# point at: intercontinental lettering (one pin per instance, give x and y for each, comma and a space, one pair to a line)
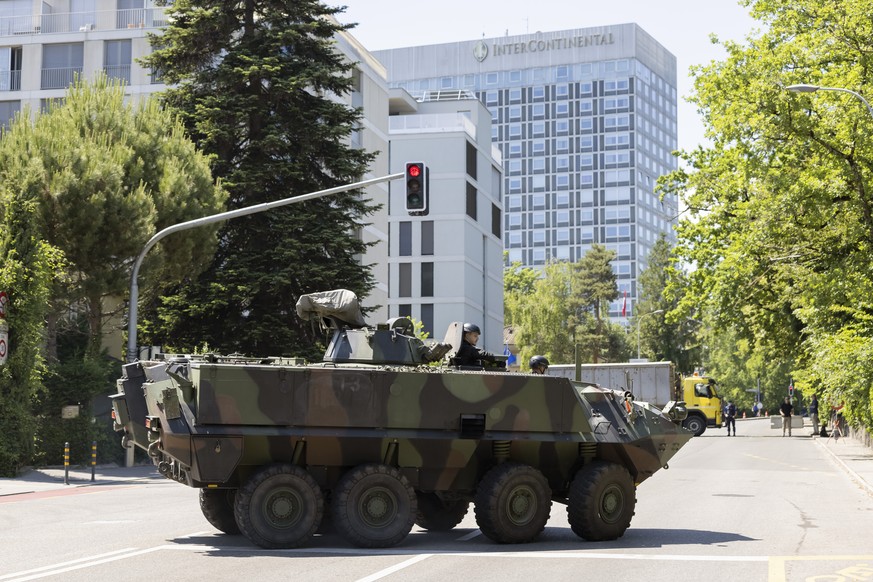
536, 46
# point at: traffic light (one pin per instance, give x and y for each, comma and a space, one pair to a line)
416, 188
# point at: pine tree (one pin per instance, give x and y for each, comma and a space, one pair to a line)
257, 85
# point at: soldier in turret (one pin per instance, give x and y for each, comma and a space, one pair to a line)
539, 365
468, 354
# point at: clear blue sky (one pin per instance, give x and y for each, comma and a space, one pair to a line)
683, 26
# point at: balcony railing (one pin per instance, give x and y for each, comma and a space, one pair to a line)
84, 21
10, 80
120, 72
59, 78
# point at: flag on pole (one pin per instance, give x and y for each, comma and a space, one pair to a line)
624, 306
510, 360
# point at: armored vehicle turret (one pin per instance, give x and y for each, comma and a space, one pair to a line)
385, 433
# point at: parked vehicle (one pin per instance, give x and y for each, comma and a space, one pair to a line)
656, 383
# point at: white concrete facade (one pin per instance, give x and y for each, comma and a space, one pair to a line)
448, 265
586, 123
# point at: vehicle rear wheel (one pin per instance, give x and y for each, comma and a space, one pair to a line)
217, 508
512, 503
602, 501
695, 424
280, 506
435, 514
373, 506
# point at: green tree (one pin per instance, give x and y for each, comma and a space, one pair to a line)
593, 285
540, 316
106, 176
668, 335
27, 267
781, 208
518, 284
256, 84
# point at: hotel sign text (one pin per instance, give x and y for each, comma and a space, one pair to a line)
480, 49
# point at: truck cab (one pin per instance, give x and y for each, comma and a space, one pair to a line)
703, 403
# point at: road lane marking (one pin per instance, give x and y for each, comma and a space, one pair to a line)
473, 534
62, 564
394, 568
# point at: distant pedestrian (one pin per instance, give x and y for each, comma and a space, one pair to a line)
730, 417
785, 411
813, 413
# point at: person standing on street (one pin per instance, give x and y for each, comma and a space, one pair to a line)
730, 417
785, 410
813, 414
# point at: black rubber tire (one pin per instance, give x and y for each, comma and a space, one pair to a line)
695, 424
434, 514
217, 508
373, 506
512, 503
601, 502
280, 506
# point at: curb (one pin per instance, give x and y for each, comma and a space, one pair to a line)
867, 487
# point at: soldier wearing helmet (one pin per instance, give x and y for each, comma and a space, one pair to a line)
539, 364
468, 354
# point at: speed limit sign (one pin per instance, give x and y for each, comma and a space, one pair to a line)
4, 301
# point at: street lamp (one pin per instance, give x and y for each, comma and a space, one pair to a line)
640, 320
803, 88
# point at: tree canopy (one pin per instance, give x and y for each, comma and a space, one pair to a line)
780, 203
260, 86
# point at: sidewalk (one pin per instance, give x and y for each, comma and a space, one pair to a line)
50, 478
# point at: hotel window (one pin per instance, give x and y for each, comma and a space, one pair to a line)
586, 234
405, 280
491, 78
586, 215
427, 279
538, 93
405, 239
427, 237
538, 165
471, 201
447, 83
515, 113
563, 218
539, 201
539, 128
515, 76
515, 95
404, 310
427, 318
562, 181
469, 80
562, 199
538, 147
513, 202
515, 221
585, 88
562, 253
10, 67
514, 149
515, 256
539, 256
61, 63
586, 124
586, 106
586, 161
562, 109
586, 179
616, 176
616, 159
586, 142
490, 97
539, 237
117, 59
8, 109
586, 69
515, 184
562, 127
562, 91
538, 219
562, 73
562, 144
616, 121
616, 140
514, 130
562, 235
621, 268
539, 182
538, 110
514, 166
514, 239
562, 163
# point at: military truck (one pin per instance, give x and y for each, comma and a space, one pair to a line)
657, 383
386, 432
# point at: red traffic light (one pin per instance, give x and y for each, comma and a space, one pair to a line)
414, 170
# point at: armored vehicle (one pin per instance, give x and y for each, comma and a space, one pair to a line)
387, 432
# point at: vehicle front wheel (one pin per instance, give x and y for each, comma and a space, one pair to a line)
695, 424
280, 506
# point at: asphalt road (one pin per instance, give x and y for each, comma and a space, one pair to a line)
746, 508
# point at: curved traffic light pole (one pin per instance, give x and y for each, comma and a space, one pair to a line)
134, 289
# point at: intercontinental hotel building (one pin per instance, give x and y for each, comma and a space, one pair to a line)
585, 120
